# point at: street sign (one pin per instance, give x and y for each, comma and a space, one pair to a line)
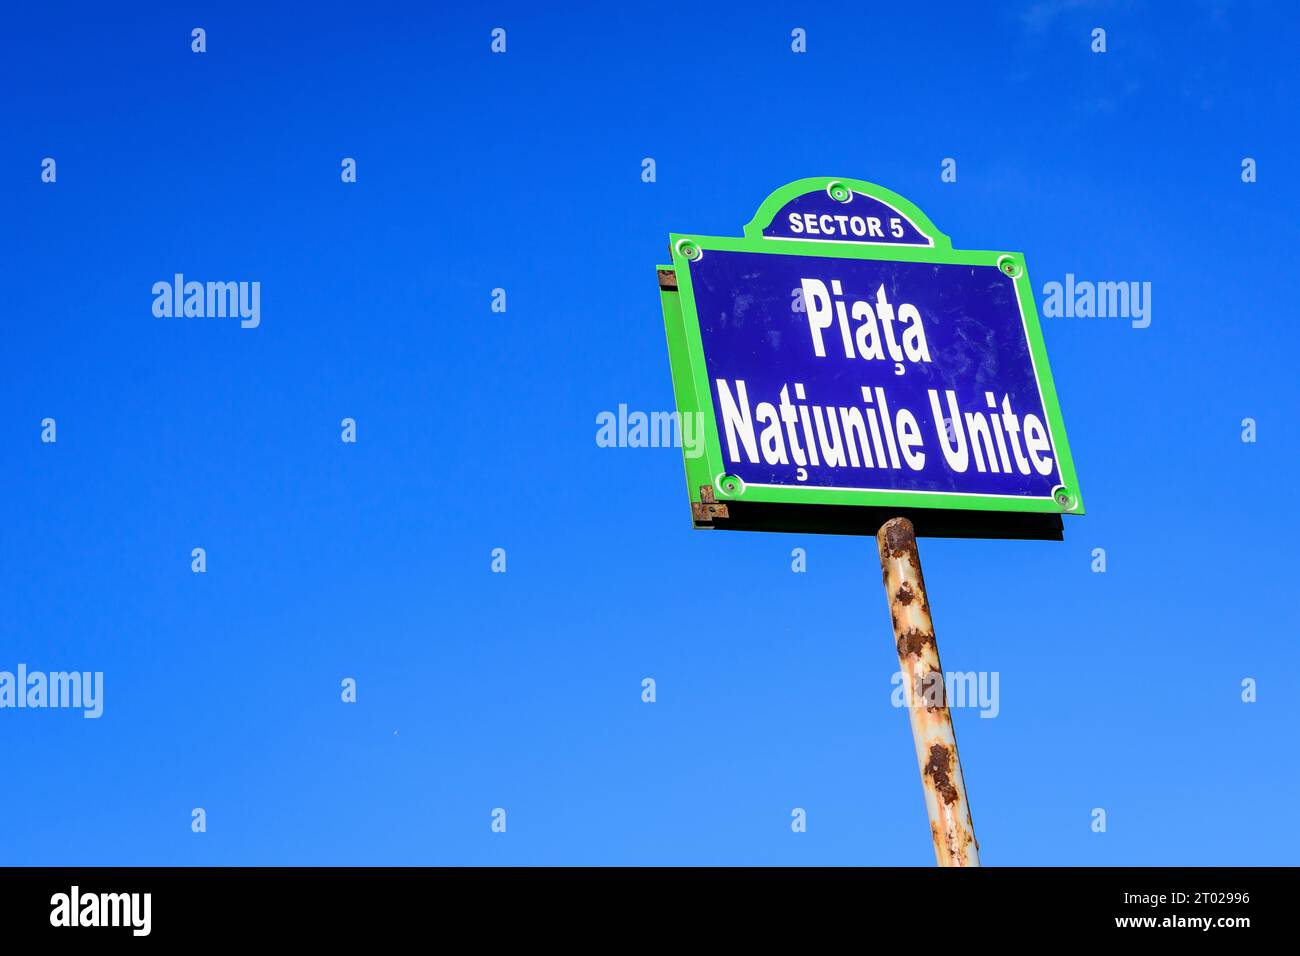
846, 364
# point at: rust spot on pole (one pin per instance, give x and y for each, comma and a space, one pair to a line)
939, 769
932, 733
912, 642
936, 701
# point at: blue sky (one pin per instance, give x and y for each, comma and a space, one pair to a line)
476, 430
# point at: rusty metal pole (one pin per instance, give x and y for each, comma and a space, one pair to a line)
918, 656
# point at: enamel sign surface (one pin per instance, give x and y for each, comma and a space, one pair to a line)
843, 355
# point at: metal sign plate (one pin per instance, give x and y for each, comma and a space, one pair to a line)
842, 355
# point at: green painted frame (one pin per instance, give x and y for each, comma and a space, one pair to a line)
690, 383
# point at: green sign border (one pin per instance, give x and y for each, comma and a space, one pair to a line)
690, 379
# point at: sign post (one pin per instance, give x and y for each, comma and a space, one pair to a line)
853, 373
927, 705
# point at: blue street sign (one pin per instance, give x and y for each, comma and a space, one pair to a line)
878, 369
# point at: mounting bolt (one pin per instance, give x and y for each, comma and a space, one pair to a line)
839, 192
1064, 498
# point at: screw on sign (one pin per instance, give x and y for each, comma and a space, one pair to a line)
856, 374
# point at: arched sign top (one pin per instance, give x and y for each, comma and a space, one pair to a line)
834, 209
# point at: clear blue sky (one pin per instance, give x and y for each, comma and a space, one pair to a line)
476, 430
